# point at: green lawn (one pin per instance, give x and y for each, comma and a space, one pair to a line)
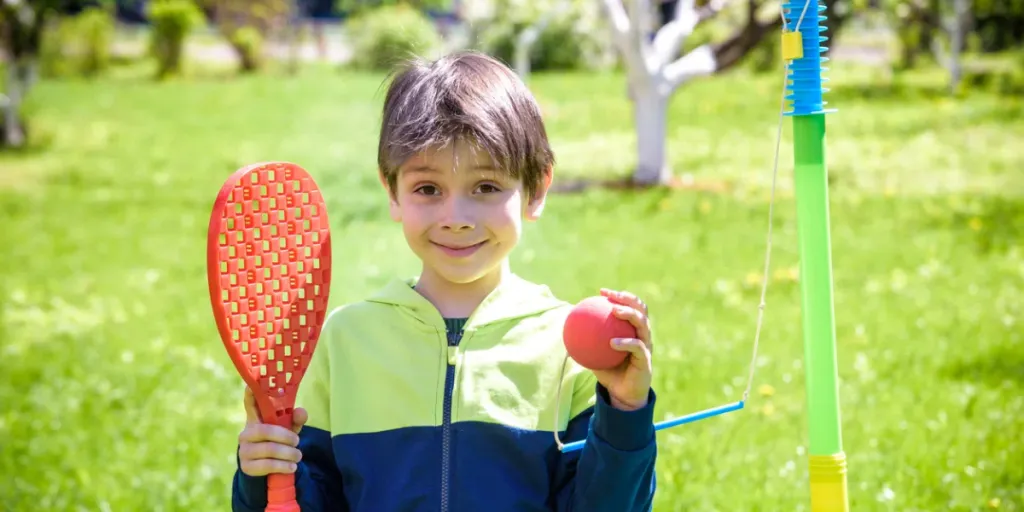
116, 393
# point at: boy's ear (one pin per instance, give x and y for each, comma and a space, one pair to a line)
536, 204
396, 212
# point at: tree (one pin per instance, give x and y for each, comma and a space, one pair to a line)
529, 35
247, 24
935, 28
356, 6
655, 70
21, 35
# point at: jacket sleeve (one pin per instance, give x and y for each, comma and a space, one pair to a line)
614, 471
318, 485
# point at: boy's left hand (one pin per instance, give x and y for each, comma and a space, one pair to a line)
629, 384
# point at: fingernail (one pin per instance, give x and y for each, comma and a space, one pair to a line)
618, 341
293, 467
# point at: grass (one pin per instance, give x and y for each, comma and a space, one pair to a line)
117, 395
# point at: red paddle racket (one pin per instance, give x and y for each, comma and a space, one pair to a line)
269, 270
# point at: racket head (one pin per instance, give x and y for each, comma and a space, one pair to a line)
269, 272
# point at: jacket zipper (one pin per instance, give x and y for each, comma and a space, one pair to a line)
446, 424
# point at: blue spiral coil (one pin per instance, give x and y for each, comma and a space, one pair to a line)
804, 89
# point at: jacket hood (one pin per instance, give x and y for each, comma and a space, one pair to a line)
514, 298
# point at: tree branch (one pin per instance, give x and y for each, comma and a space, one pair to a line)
711, 9
730, 52
670, 38
619, 22
617, 15
696, 63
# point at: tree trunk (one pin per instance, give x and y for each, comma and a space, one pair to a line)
650, 112
14, 132
655, 70
957, 40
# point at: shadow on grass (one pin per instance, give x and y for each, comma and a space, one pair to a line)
993, 224
895, 91
628, 184
1004, 364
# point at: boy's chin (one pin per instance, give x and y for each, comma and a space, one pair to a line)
465, 276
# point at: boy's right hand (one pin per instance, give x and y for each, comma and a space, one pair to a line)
265, 448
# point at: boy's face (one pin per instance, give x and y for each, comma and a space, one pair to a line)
460, 215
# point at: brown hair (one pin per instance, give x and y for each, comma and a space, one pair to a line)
467, 96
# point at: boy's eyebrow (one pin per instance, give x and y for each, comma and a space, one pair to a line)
419, 168
428, 169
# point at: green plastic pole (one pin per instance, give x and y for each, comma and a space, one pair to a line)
827, 460
811, 188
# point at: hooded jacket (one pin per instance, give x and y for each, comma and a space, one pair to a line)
410, 412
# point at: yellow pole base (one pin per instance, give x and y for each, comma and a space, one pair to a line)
828, 483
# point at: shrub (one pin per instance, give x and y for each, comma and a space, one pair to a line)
96, 26
575, 39
78, 45
383, 36
248, 44
171, 22
247, 24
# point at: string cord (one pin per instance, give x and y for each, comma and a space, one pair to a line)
768, 248
771, 206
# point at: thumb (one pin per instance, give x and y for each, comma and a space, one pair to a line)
252, 411
299, 418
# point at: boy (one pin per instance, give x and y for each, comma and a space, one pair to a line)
439, 393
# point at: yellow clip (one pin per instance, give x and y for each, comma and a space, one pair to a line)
792, 46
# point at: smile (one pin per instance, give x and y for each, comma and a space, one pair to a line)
457, 251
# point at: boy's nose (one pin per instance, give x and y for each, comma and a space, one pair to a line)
457, 224
457, 216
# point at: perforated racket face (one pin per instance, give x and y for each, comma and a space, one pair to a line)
269, 269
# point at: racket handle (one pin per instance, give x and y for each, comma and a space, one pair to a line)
281, 493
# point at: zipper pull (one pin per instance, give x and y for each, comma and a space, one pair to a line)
453, 354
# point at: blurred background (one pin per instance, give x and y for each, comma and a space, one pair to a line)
121, 120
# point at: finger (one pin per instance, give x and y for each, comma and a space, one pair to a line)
639, 321
252, 411
626, 299
264, 467
266, 432
299, 418
639, 354
259, 451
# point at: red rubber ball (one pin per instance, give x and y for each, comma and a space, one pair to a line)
589, 330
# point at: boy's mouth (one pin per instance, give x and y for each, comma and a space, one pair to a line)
459, 251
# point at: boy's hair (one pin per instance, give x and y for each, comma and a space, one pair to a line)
464, 96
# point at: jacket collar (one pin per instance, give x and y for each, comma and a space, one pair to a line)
514, 298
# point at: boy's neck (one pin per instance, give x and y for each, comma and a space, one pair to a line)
458, 300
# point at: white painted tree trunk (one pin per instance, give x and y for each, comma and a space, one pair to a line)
957, 28
650, 113
655, 71
14, 132
958, 38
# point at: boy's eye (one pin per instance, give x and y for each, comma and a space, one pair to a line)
429, 190
488, 188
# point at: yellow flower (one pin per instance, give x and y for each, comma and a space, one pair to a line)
766, 390
994, 503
